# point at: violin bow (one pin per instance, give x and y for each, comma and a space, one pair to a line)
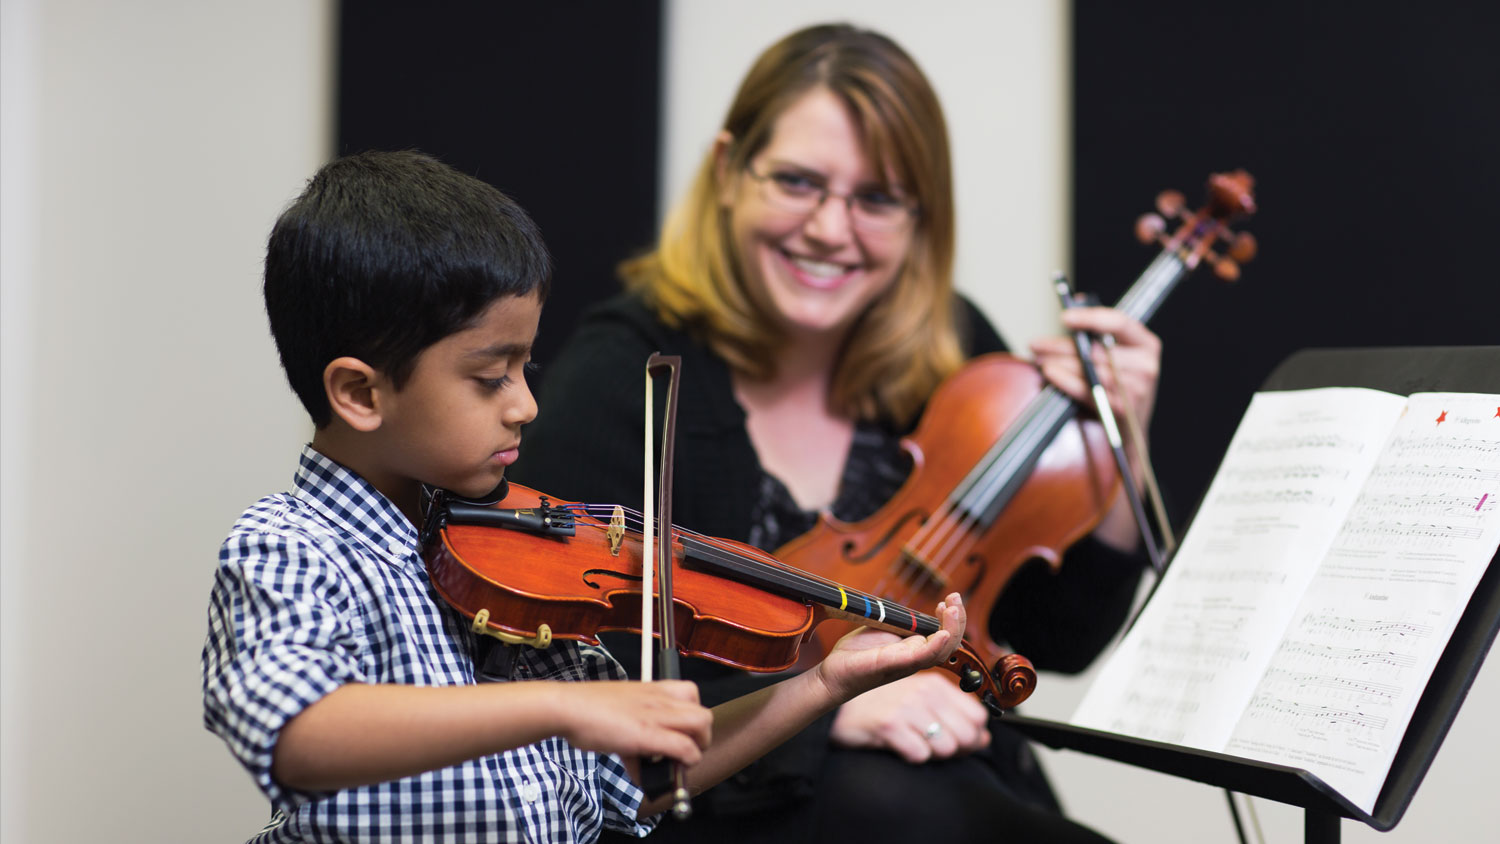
657, 562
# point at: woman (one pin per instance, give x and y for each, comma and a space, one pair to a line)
806, 282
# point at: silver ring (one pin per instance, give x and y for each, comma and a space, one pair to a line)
932, 730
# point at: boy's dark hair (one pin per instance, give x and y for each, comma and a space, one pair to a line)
384, 254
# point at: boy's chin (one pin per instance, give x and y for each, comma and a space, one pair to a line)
493, 495
481, 491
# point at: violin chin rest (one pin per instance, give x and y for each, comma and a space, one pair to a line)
494, 496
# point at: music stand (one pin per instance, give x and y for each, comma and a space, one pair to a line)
1396, 370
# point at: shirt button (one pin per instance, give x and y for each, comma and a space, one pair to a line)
530, 791
397, 547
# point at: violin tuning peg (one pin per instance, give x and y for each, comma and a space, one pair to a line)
1148, 228
1226, 268
1243, 247
1170, 203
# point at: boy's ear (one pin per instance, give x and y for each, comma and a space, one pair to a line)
722, 142
354, 392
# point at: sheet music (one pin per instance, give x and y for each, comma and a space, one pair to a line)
1323, 575
1362, 643
1183, 672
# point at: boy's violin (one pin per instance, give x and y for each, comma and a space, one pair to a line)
531, 568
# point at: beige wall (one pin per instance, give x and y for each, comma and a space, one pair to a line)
145, 149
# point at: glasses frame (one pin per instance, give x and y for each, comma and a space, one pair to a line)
911, 207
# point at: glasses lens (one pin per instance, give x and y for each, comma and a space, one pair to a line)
797, 194
882, 215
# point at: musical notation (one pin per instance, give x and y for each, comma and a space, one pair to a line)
1465, 450
1359, 656
1271, 706
1357, 534
1256, 577
1286, 473
1300, 442
1408, 474
1332, 683
1200, 653
1437, 504
1363, 627
1280, 497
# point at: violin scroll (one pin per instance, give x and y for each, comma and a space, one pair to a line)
1013, 678
1229, 198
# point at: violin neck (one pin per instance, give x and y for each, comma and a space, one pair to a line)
1149, 291
791, 583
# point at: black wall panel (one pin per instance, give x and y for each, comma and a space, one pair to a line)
555, 103
1373, 132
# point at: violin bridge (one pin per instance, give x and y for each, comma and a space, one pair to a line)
922, 569
542, 639
616, 531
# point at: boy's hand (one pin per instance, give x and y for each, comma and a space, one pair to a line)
868, 658
633, 719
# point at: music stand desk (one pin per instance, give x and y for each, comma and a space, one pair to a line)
1396, 370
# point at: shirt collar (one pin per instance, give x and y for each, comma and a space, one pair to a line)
355, 505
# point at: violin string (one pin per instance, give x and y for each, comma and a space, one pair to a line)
1028, 435
945, 541
947, 538
795, 580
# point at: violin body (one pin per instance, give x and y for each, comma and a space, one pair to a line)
732, 603
897, 553
578, 586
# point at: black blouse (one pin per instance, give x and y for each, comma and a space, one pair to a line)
585, 445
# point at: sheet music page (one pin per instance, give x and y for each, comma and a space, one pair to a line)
1342, 686
1183, 673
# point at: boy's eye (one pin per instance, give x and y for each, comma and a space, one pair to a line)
500, 383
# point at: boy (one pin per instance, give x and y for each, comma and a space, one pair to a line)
404, 298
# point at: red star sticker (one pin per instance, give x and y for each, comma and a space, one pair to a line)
1497, 413
1442, 417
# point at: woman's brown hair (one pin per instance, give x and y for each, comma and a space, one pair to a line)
906, 341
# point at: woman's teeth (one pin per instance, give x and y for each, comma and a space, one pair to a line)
821, 269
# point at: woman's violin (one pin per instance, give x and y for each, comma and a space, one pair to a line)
1003, 469
531, 568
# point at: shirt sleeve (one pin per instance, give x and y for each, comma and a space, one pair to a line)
280, 638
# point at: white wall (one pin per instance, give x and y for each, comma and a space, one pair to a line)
145, 149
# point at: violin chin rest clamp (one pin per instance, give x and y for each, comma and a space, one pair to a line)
541, 639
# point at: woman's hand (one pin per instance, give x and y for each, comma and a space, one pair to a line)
920, 717
1137, 355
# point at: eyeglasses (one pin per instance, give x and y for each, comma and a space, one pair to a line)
870, 210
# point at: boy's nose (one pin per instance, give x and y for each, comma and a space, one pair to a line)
523, 409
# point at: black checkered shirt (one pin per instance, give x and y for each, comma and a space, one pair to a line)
325, 585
